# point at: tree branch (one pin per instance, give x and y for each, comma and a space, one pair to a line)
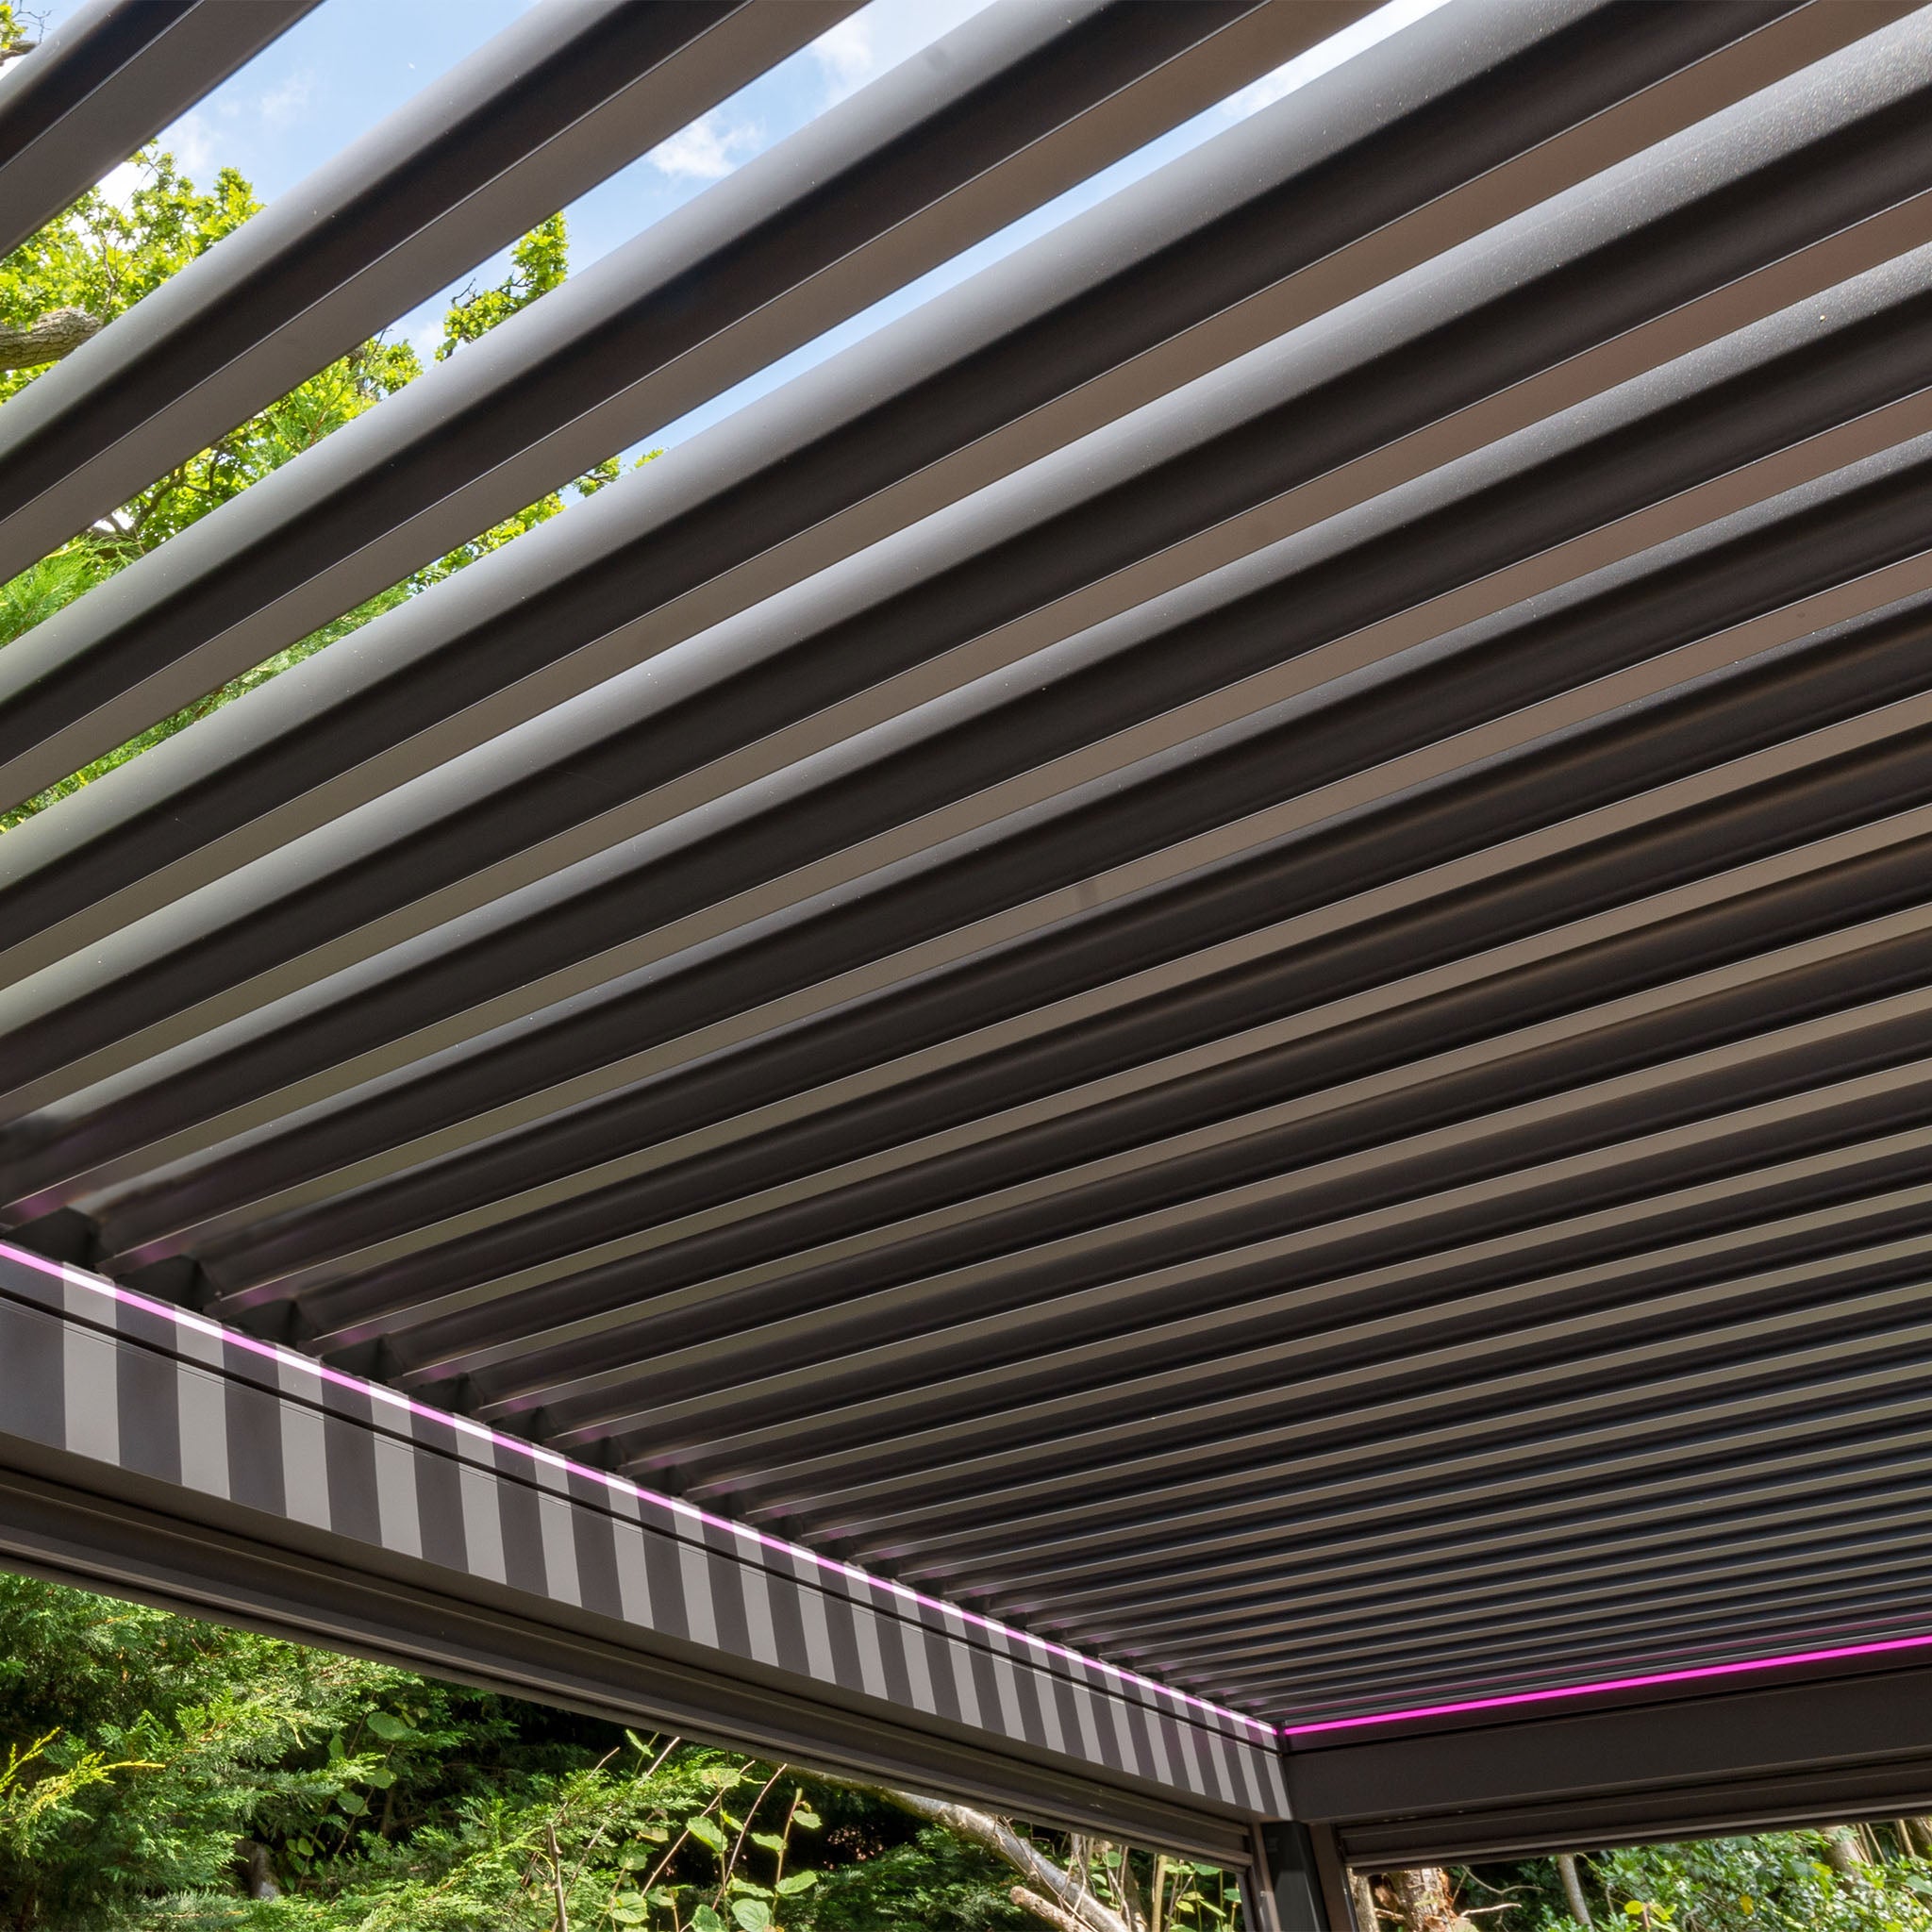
1076, 1907
1046, 1909
58, 333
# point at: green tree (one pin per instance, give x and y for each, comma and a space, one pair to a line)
1850, 1878
1785, 1880
102, 256
141, 1746
159, 1773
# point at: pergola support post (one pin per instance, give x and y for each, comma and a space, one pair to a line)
1296, 1881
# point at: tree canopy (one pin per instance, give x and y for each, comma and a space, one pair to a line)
161, 1772
101, 258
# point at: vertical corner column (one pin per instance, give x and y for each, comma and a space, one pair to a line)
1296, 1881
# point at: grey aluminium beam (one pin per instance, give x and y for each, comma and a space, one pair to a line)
883, 1316
1388, 1771
1016, 105
833, 1438
1341, 1475
1201, 1465
1780, 1595
1389, 1618
555, 1168
546, 110
1862, 1519
242, 1449
1124, 1071
1845, 846
104, 80
527, 1369
72, 1534
1614, 695
1218, 251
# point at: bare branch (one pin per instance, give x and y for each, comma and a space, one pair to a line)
1046, 1909
1077, 1904
55, 334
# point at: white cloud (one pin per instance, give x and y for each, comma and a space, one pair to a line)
880, 35
118, 184
1322, 59
282, 106
190, 140
847, 55
709, 149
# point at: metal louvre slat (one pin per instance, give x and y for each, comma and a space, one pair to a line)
105, 80
849, 209
1221, 949
1031, 354
47, 1037
1240, 959
530, 122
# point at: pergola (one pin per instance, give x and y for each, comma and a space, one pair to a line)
1162, 1052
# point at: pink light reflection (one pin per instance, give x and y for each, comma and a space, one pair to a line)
1649, 1681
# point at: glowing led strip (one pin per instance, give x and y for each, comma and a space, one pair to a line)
1649, 1680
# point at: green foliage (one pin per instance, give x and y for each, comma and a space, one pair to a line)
140, 1745
103, 258
538, 263
930, 1884
1779, 1880
144, 1757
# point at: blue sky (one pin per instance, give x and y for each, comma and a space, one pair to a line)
351, 62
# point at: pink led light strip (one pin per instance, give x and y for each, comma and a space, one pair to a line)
378, 1392
1878, 1648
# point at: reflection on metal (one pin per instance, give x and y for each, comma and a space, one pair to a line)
1220, 954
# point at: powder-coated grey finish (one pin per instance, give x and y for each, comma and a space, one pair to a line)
105, 79
546, 110
1223, 950
1022, 102
262, 1442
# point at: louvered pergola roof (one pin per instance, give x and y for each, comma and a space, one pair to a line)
1217, 958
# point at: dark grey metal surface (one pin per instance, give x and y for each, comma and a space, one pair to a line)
543, 111
336, 1494
105, 79
1025, 101
1753, 1754
1216, 254
1223, 948
75, 1535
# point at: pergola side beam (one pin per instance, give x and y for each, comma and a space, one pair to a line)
147, 1406
1669, 1749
